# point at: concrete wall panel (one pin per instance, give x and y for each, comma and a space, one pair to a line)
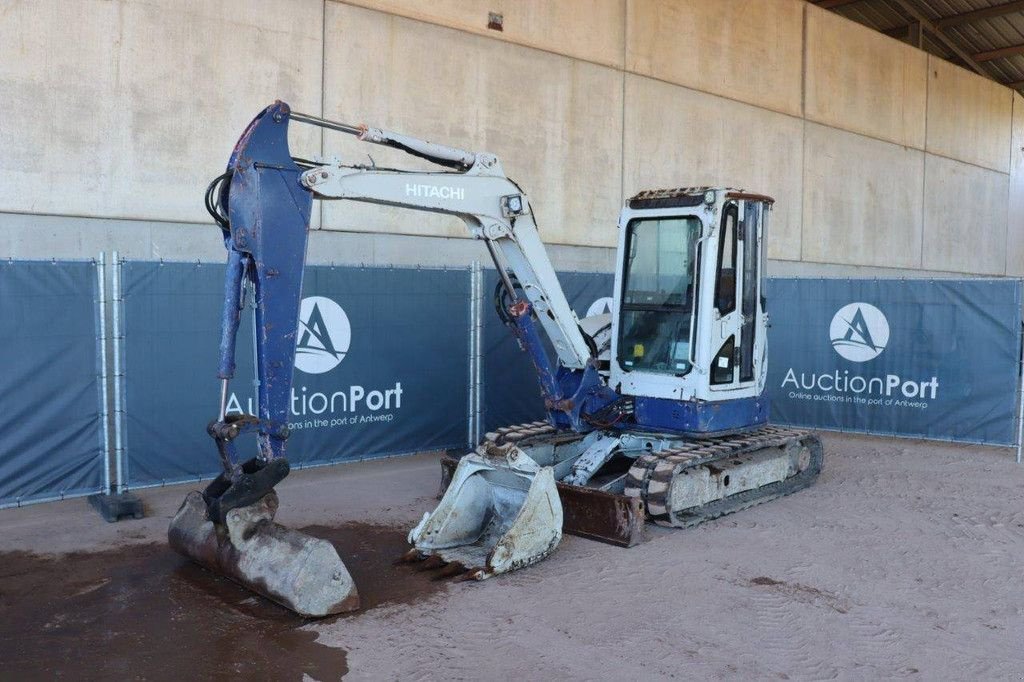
863, 81
862, 200
592, 30
127, 108
555, 122
969, 117
120, 111
677, 137
741, 49
1015, 216
964, 224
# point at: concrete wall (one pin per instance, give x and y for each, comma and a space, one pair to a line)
881, 158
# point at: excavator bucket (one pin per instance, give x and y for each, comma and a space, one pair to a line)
492, 519
298, 571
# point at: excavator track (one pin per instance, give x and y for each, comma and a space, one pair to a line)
518, 432
652, 475
619, 518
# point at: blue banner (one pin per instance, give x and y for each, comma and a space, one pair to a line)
923, 358
50, 397
511, 394
382, 361
381, 366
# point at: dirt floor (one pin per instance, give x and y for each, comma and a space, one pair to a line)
905, 559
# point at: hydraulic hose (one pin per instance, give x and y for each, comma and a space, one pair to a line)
217, 198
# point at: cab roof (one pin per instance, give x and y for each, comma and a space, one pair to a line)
688, 196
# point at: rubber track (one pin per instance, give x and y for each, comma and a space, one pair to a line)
650, 477
518, 432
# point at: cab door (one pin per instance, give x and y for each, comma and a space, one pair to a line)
734, 364
751, 256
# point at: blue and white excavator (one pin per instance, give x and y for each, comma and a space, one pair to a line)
655, 411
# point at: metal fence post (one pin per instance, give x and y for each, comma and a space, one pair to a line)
479, 354
471, 377
475, 328
118, 336
101, 311
1020, 399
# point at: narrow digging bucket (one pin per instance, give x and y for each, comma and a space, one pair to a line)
492, 519
298, 571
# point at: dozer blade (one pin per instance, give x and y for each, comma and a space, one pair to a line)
493, 519
298, 571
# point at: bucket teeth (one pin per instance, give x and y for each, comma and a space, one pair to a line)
433, 561
453, 569
411, 557
474, 574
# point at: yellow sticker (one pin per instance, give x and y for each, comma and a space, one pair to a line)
638, 350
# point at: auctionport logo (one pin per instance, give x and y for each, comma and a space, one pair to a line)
324, 335
859, 332
600, 306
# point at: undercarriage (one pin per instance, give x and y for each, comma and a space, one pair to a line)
608, 484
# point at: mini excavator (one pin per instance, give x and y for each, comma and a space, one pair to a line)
655, 411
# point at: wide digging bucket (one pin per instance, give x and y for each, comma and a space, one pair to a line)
492, 519
298, 571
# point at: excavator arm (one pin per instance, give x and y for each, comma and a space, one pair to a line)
229, 527
263, 204
497, 211
268, 198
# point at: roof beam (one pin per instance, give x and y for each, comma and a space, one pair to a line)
999, 53
910, 34
965, 18
930, 26
832, 4
983, 13
915, 35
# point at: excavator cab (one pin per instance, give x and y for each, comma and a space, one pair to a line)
688, 337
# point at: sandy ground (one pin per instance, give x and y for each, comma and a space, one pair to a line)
903, 560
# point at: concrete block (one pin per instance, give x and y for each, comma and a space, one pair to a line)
591, 30
741, 49
860, 80
969, 116
964, 217
1015, 216
555, 122
678, 137
862, 200
128, 109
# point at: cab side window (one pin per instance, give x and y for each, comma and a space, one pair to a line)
725, 285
